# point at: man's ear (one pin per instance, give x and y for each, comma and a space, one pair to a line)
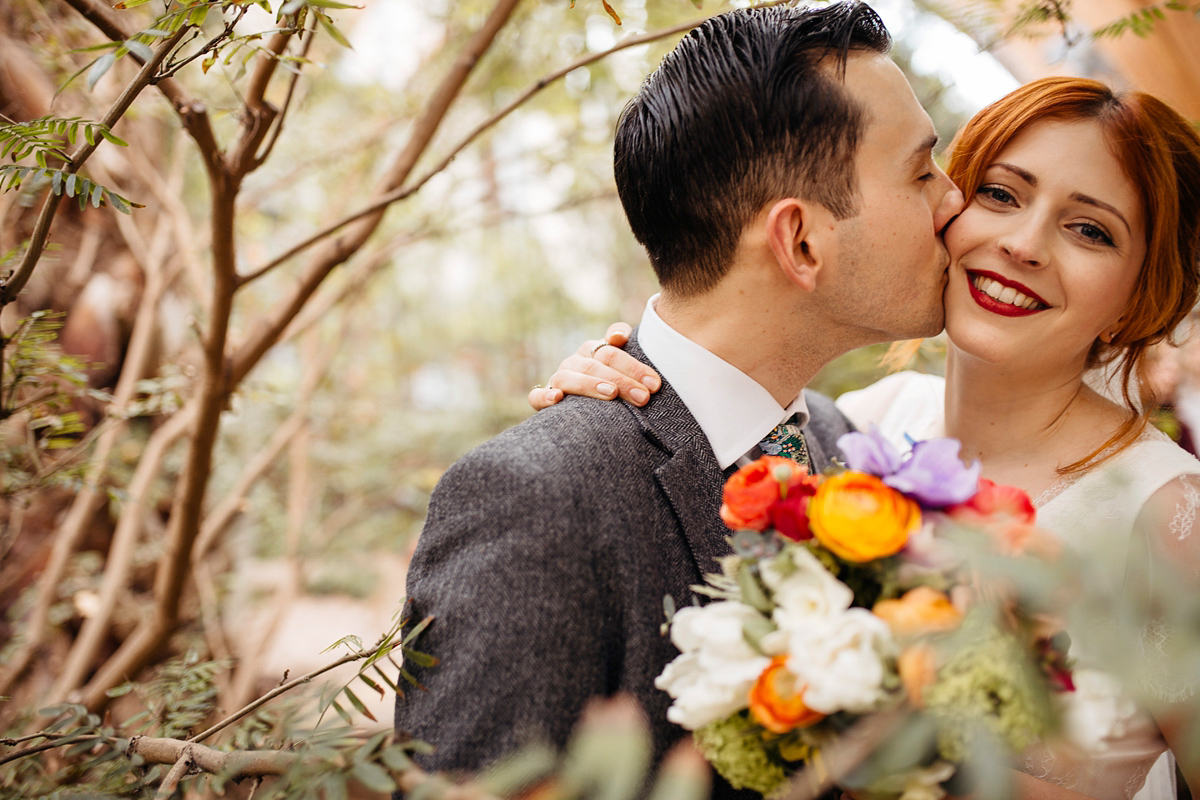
797, 241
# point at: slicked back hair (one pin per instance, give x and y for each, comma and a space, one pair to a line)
743, 112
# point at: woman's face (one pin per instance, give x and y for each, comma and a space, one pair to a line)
1047, 251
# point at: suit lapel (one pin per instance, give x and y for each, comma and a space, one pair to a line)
689, 476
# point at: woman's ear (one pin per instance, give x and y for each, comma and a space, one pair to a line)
795, 240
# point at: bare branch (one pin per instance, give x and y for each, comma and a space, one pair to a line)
177, 773
305, 44
338, 251
403, 192
258, 113
41, 230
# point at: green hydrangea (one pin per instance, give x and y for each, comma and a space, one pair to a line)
987, 681
735, 749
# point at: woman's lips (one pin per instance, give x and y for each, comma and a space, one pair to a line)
1019, 300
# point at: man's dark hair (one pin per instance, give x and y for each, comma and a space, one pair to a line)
741, 113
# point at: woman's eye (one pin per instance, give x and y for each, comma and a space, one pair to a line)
927, 176
1094, 233
996, 193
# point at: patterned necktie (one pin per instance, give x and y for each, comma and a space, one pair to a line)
787, 441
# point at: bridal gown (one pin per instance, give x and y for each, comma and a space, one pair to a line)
910, 404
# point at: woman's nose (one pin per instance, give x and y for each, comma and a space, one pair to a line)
1024, 244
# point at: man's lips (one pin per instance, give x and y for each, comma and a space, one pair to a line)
1022, 302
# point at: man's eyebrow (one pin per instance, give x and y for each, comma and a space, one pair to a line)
923, 150
1078, 197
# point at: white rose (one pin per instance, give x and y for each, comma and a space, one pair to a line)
807, 590
841, 659
1097, 710
712, 676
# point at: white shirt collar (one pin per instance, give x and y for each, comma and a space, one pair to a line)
734, 411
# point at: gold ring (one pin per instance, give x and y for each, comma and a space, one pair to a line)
538, 386
597, 347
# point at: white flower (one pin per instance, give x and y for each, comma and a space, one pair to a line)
1097, 710
841, 660
711, 678
803, 588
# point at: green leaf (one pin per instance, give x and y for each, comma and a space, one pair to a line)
197, 16
97, 196
89, 135
112, 137
71, 180
753, 594
391, 684
332, 30
119, 203
341, 712
395, 759
362, 709
102, 65
417, 630
418, 658
56, 182
373, 776
367, 680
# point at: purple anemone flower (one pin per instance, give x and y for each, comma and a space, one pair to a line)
934, 475
870, 452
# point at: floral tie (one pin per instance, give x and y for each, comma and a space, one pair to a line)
787, 441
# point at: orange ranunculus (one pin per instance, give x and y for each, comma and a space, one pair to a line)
917, 666
777, 703
860, 518
919, 610
752, 490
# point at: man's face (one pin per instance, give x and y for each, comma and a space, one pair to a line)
891, 263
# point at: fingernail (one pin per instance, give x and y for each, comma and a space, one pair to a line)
652, 382
606, 389
555, 395
639, 395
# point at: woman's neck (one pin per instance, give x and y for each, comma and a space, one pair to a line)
1024, 422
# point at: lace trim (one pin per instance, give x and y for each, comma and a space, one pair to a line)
1185, 513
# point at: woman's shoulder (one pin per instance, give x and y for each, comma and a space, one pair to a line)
901, 404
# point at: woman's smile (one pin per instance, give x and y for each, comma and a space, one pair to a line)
1004, 296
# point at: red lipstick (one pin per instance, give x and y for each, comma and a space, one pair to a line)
989, 303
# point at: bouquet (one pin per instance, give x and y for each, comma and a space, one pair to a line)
848, 595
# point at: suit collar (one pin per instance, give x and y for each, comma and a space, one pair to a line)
690, 476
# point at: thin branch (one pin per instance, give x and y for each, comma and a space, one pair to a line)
258, 113
41, 230
177, 773
230, 25
42, 748
337, 251
403, 192
305, 44
284, 688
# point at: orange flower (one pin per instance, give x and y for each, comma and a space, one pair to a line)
917, 666
752, 490
860, 518
777, 703
919, 610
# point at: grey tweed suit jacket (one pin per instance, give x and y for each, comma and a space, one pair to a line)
544, 561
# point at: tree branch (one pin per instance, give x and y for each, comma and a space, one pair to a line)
338, 251
403, 192
41, 229
305, 44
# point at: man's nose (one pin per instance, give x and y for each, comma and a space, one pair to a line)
951, 205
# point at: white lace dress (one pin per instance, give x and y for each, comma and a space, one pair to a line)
910, 404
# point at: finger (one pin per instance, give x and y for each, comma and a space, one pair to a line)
618, 334
541, 397
629, 367
592, 378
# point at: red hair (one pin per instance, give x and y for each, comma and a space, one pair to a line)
1159, 153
